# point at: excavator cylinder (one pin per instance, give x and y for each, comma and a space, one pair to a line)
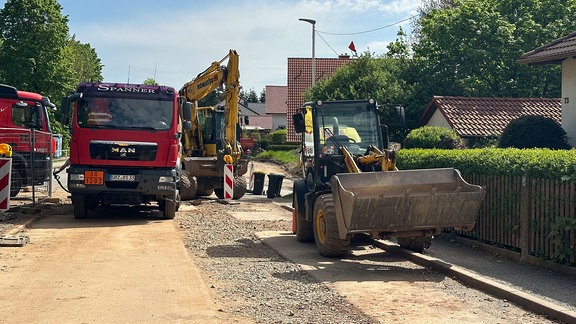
397, 202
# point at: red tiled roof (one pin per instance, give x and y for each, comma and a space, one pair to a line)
554, 52
300, 79
276, 97
472, 117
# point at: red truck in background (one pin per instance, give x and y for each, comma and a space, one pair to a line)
125, 146
25, 125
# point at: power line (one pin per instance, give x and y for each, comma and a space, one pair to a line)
367, 31
328, 44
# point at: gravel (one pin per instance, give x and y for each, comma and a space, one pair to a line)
253, 280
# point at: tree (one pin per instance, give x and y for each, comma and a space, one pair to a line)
34, 37
86, 66
429, 137
470, 48
250, 96
150, 81
263, 96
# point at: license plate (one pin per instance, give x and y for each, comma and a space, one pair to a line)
122, 177
93, 177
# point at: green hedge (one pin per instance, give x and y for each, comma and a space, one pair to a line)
537, 163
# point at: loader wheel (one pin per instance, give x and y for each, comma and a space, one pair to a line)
416, 244
328, 242
204, 192
304, 229
189, 186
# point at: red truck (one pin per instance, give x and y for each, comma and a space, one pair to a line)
25, 125
125, 146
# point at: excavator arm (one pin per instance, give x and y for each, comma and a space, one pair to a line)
214, 77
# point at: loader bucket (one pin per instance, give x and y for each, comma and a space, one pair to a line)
397, 202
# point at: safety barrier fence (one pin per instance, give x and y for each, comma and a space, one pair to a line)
535, 217
31, 171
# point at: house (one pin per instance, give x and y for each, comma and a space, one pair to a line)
300, 79
561, 51
473, 117
257, 117
276, 99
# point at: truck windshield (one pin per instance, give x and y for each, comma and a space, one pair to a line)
354, 125
125, 113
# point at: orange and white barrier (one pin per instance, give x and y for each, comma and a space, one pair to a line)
228, 181
5, 175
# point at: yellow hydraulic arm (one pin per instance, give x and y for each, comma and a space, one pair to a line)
209, 80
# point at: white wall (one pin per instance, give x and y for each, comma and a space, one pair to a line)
438, 119
569, 99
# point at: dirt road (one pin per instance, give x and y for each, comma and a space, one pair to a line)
128, 269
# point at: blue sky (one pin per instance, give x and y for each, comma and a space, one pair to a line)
174, 40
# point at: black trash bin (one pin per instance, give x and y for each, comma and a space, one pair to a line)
258, 184
274, 185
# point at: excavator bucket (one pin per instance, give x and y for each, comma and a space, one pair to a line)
397, 202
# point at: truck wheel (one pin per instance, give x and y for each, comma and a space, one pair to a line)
79, 204
170, 206
328, 242
189, 186
304, 230
239, 187
15, 182
416, 244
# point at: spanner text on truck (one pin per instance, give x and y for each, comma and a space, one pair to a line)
125, 146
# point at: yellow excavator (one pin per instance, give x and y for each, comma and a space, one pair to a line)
210, 134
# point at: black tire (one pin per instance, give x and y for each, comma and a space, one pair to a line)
304, 228
15, 182
170, 206
188, 186
416, 244
80, 207
326, 236
239, 187
219, 193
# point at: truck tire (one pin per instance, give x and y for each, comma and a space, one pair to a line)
304, 229
188, 186
80, 207
416, 244
239, 187
15, 182
326, 236
219, 193
170, 206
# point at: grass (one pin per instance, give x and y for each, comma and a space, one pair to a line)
284, 157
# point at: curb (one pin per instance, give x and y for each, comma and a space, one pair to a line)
521, 298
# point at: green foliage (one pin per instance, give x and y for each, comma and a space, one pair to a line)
433, 137
279, 156
150, 81
534, 132
86, 66
537, 163
34, 38
277, 137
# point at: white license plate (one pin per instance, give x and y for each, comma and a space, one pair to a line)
122, 177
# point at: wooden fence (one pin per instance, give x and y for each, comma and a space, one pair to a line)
534, 217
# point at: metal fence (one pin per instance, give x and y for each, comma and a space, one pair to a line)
534, 217
32, 156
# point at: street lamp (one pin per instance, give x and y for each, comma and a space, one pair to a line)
313, 22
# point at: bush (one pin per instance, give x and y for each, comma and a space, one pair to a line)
277, 137
430, 137
534, 132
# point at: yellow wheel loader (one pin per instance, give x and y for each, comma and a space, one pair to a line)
350, 184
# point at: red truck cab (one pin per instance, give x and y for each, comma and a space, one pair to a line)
125, 146
25, 125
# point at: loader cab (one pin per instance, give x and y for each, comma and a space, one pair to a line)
329, 126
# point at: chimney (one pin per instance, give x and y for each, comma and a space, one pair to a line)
344, 56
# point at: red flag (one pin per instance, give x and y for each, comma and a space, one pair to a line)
352, 47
